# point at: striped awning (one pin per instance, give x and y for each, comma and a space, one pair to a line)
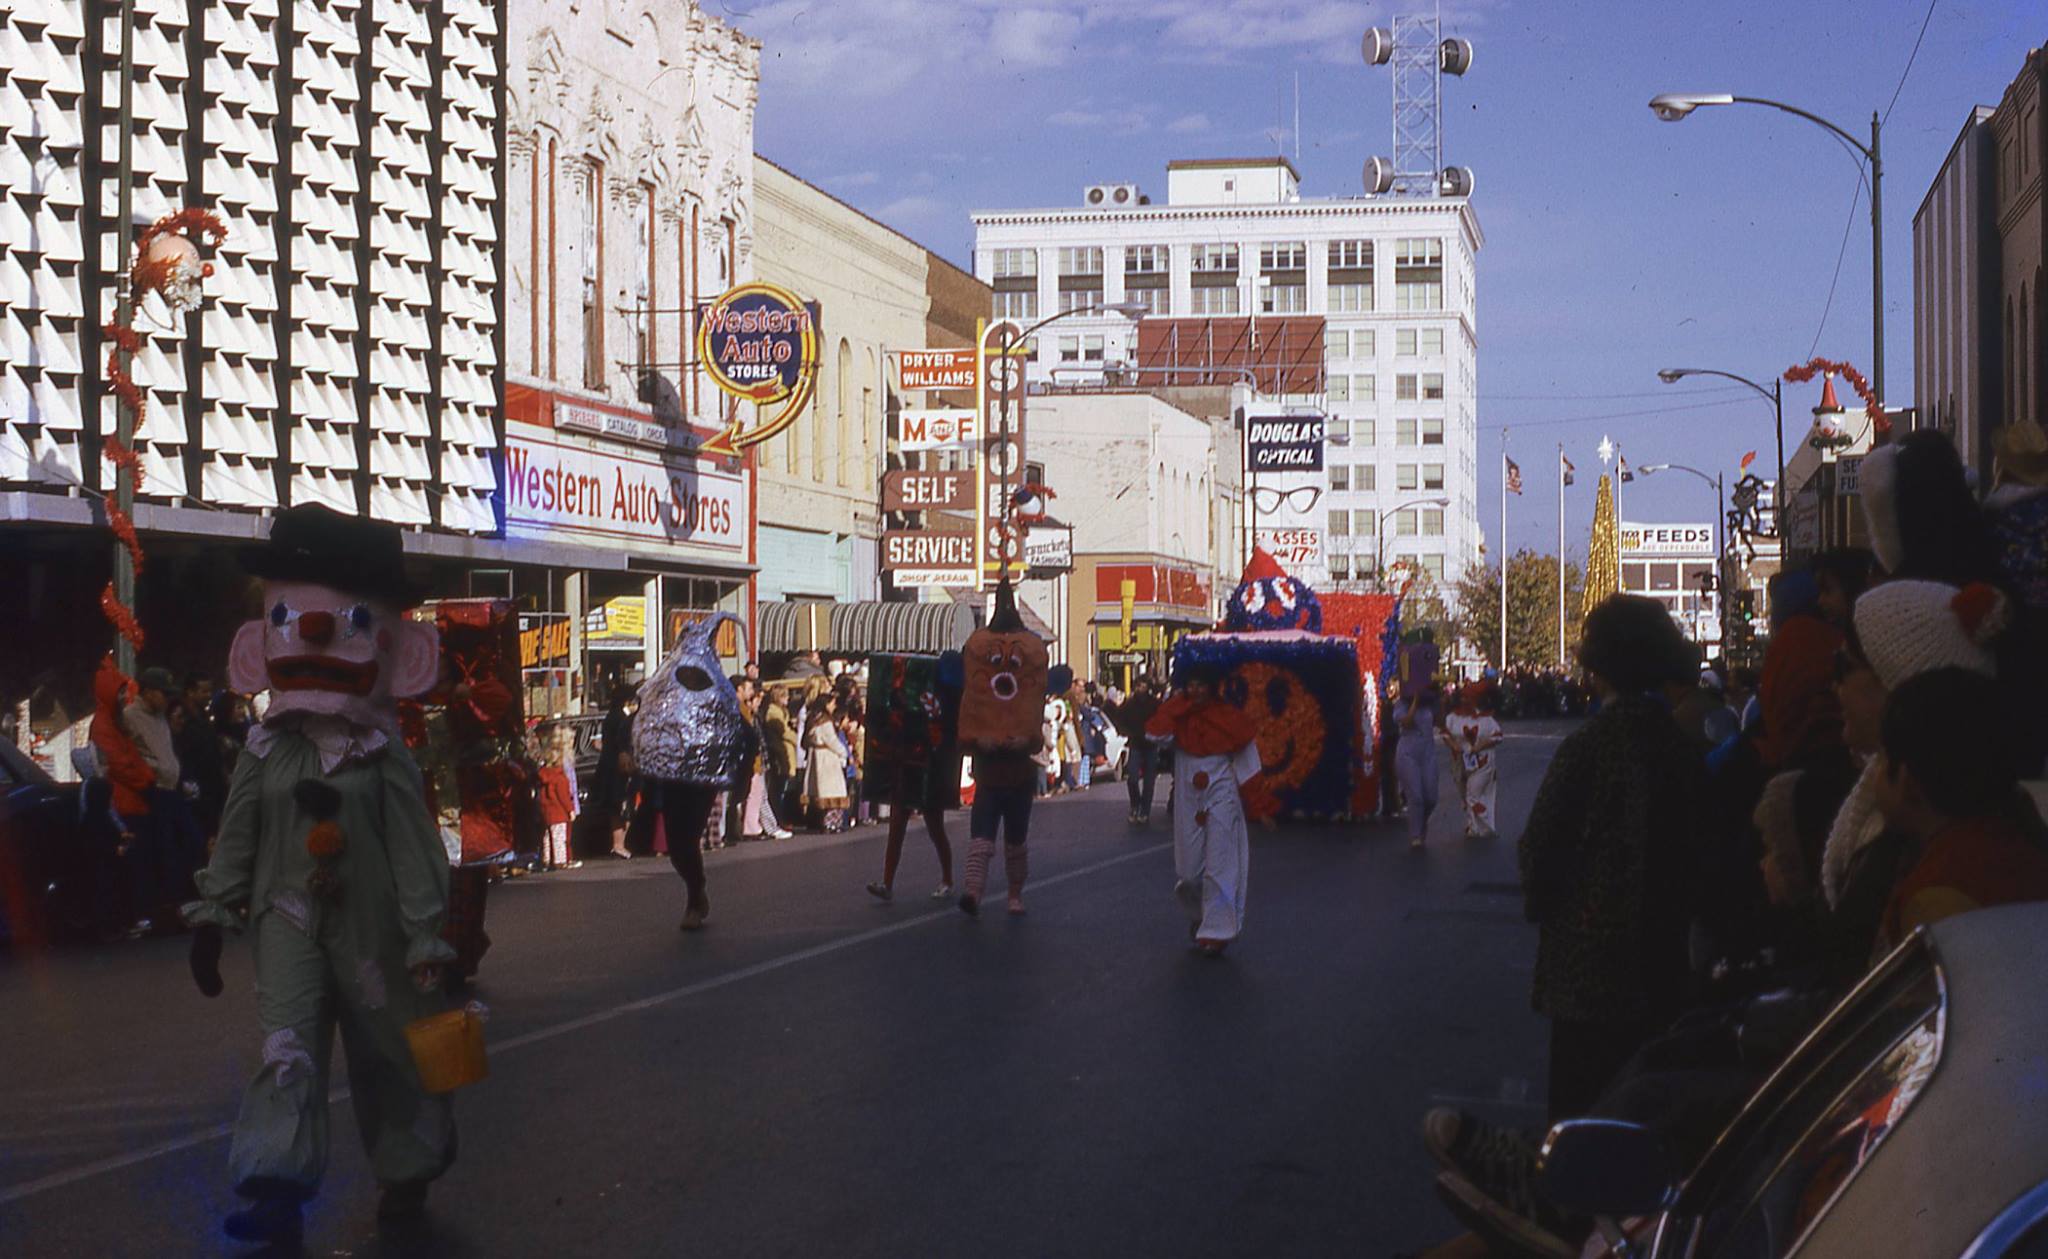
858, 629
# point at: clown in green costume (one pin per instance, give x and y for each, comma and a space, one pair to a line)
328, 860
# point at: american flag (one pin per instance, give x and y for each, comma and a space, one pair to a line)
1626, 475
1567, 467
1514, 476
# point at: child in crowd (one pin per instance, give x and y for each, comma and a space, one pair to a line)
1473, 734
1947, 778
557, 809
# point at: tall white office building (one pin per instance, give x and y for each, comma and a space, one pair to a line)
1363, 308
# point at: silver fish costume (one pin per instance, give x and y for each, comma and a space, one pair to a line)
690, 743
689, 728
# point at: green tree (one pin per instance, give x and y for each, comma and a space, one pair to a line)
1532, 608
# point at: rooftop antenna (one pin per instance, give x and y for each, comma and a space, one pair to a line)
1420, 57
1297, 122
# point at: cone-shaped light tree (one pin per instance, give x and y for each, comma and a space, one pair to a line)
1603, 553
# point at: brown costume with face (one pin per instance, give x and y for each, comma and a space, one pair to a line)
1002, 707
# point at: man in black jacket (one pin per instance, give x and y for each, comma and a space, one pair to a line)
1141, 756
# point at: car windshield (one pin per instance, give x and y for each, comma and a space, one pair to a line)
1821, 1117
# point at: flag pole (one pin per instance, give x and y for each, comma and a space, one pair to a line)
1503, 551
1560, 555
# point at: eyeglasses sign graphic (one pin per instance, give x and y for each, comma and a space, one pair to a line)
759, 343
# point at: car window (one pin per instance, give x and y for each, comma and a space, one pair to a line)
1804, 1138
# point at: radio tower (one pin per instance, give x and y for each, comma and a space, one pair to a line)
1420, 57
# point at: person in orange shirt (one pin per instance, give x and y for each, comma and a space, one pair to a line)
557, 809
1948, 779
1216, 752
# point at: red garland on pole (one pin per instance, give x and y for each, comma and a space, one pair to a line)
166, 262
1880, 421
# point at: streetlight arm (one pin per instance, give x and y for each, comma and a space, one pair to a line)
1650, 469
1867, 151
1671, 375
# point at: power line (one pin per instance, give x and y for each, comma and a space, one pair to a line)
1855, 199
1910, 59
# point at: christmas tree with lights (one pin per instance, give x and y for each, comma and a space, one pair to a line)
1603, 553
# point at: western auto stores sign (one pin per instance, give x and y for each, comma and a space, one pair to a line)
641, 499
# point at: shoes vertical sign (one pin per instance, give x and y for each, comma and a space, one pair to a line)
1003, 355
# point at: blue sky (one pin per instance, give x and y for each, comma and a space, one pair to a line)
1616, 244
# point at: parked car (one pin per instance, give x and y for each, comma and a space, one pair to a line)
1115, 758
55, 858
1912, 1122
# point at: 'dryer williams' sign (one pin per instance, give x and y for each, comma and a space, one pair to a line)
759, 343
1285, 443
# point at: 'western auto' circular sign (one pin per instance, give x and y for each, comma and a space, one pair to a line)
759, 343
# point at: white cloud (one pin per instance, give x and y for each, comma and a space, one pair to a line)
1121, 122
1033, 37
855, 179
913, 208
1188, 124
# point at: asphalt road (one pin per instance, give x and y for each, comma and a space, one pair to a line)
820, 1073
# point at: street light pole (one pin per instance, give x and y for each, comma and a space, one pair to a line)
1774, 395
1720, 529
1676, 106
1379, 534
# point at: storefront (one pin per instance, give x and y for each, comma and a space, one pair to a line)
651, 534
1142, 606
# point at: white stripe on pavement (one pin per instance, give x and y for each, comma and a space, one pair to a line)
57, 1180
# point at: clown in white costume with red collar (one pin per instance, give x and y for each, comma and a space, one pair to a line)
328, 859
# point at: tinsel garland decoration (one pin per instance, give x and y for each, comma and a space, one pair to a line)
166, 262
1603, 556
1880, 421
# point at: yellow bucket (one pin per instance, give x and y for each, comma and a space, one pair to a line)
448, 1049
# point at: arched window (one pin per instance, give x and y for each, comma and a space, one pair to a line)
870, 423
848, 392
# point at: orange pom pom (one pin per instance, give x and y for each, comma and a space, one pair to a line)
325, 841
1982, 610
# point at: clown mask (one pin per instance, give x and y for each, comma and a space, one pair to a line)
320, 650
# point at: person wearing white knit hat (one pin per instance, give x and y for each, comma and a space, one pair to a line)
1901, 630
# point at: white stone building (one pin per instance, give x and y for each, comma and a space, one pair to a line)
630, 176
1393, 281
1148, 489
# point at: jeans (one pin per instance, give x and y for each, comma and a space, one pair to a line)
1141, 763
1009, 807
685, 809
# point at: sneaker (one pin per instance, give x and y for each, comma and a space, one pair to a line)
1211, 947
272, 1220
880, 891
1474, 1148
1415, 843
945, 890
694, 916
572, 865
969, 905
780, 834
1016, 905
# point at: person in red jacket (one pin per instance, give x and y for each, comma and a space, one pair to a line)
1215, 753
557, 810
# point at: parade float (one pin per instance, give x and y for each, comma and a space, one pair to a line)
1310, 672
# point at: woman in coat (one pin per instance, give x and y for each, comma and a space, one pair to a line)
825, 781
1607, 856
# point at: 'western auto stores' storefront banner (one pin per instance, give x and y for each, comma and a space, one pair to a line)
562, 486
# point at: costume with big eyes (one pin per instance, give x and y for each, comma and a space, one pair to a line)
1002, 709
327, 857
690, 743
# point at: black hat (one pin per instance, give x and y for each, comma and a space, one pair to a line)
362, 557
1005, 620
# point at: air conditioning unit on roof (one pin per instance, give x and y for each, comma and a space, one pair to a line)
1113, 196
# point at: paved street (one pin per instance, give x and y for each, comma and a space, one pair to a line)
818, 1073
